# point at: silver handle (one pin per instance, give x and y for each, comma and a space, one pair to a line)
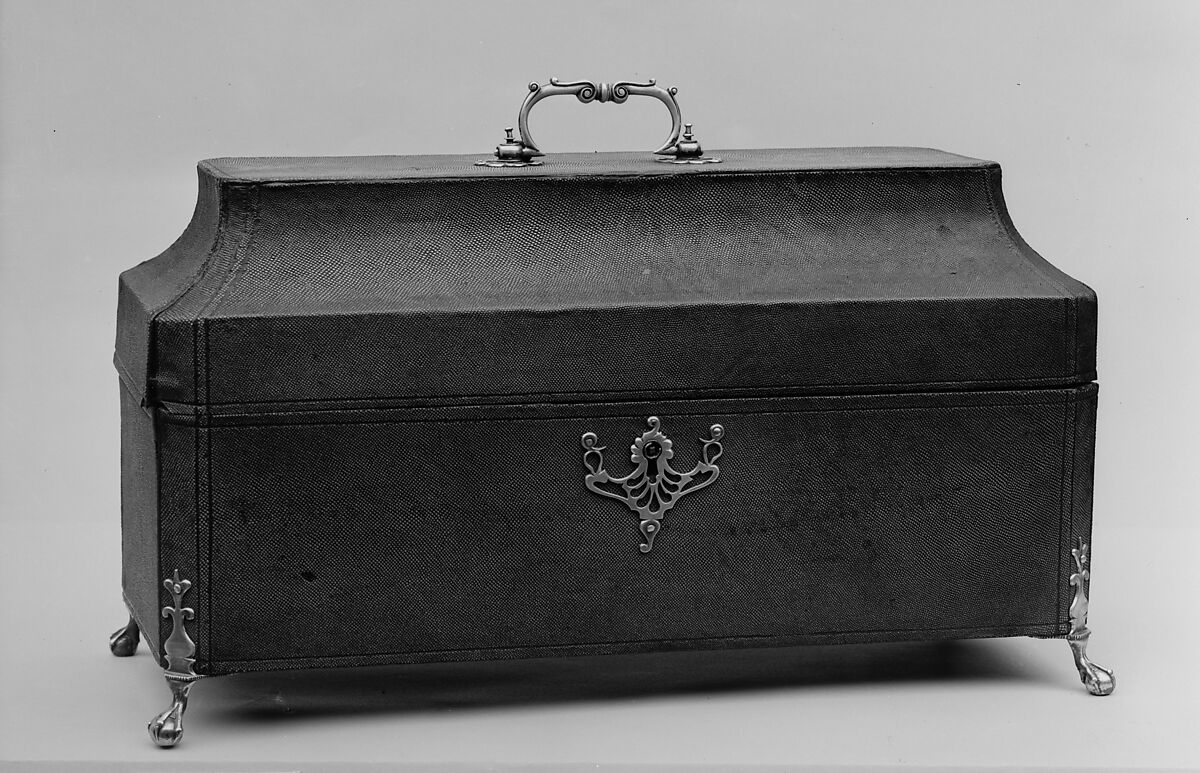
521, 151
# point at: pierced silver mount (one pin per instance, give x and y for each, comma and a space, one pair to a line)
654, 487
167, 728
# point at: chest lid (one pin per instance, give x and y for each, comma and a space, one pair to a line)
595, 277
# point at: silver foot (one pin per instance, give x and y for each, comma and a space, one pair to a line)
1098, 679
167, 728
124, 642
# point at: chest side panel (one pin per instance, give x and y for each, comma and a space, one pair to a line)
139, 516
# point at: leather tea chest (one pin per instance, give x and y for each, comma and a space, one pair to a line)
407, 409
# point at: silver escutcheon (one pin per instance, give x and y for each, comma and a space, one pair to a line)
654, 486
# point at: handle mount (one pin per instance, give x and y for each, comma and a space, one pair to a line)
522, 150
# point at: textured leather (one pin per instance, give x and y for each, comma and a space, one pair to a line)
362, 536
368, 536
354, 391
140, 569
808, 271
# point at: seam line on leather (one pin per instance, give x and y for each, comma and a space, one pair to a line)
1075, 419
128, 381
157, 432
216, 419
183, 409
200, 391
206, 595
1064, 485
590, 176
196, 485
635, 642
208, 484
209, 262
217, 239
150, 641
1005, 233
955, 387
493, 419
239, 257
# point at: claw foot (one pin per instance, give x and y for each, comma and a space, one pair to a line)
1097, 679
124, 642
167, 728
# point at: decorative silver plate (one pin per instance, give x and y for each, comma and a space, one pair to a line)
654, 486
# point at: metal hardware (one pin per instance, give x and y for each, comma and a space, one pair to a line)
522, 150
654, 487
688, 151
1097, 679
179, 647
124, 641
167, 728
511, 152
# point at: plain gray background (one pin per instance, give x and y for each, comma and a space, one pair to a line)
1091, 108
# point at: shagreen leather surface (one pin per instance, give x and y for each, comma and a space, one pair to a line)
354, 391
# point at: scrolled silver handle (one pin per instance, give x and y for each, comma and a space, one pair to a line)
521, 151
